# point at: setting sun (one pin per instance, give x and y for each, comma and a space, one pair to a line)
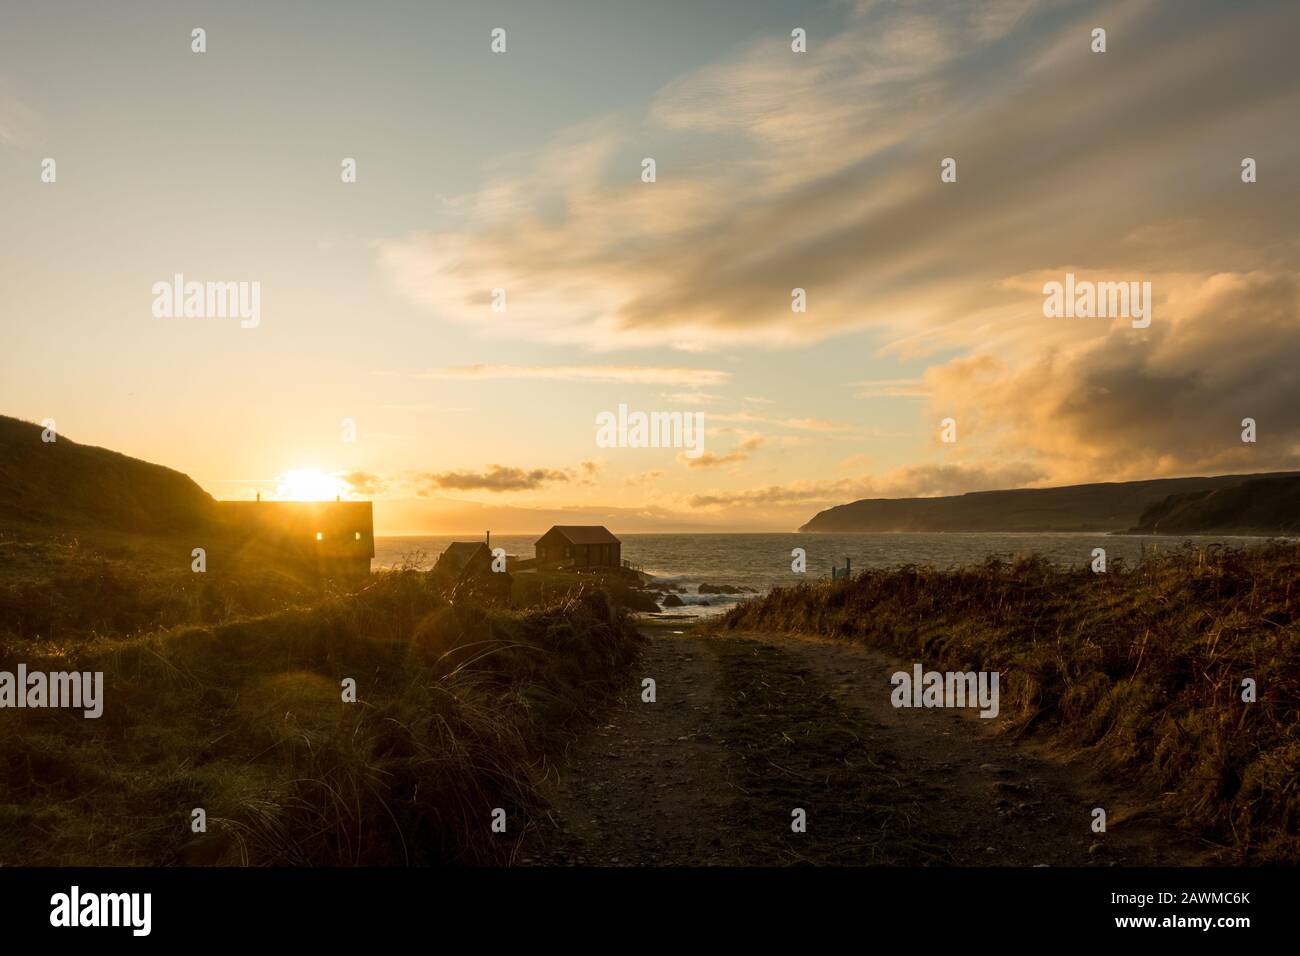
308, 484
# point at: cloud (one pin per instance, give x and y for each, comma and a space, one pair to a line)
709, 460
749, 442
642, 478
1168, 400
497, 478
822, 171
364, 483
617, 374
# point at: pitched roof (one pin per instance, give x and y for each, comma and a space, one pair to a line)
466, 548
460, 553
584, 533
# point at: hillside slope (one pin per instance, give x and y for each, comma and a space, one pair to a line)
1107, 506
1260, 506
62, 484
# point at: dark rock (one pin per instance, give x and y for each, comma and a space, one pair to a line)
640, 601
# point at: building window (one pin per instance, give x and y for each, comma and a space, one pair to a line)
320, 536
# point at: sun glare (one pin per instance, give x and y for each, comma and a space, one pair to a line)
307, 484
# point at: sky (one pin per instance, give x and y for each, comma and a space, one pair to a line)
378, 359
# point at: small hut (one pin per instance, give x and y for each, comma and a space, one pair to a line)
579, 546
464, 559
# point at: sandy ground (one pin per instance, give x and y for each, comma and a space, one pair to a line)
746, 729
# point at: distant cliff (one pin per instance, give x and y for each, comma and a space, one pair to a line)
1267, 505
1107, 506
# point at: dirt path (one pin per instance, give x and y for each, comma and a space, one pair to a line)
745, 729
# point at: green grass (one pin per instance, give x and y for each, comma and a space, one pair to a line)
1138, 670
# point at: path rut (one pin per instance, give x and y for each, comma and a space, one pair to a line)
747, 728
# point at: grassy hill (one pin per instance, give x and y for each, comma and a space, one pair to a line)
62, 484
1259, 506
94, 542
1105, 506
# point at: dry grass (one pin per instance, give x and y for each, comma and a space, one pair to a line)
71, 588
459, 707
1139, 669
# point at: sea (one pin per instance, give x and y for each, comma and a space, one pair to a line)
762, 561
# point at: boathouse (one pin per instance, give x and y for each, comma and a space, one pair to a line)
579, 547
